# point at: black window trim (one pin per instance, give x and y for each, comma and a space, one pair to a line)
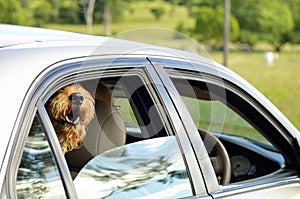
50, 80
56, 151
290, 154
186, 134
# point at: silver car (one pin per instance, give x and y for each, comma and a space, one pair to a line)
173, 125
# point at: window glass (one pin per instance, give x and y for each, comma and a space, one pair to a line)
123, 107
128, 151
38, 175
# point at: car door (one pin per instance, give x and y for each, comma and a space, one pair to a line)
139, 105
262, 151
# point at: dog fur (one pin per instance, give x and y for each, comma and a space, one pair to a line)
71, 109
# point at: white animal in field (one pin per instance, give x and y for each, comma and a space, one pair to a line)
270, 57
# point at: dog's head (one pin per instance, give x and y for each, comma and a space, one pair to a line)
71, 106
71, 109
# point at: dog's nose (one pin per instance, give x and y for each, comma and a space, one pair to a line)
76, 98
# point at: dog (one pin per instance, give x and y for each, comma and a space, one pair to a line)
71, 109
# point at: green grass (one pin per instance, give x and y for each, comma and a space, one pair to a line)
280, 82
139, 16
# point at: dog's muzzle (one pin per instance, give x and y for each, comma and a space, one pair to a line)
74, 116
76, 98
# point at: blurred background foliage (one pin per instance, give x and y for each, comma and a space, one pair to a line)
275, 22
256, 26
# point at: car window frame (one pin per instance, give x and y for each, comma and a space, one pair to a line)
35, 107
191, 132
118, 64
254, 103
215, 77
60, 74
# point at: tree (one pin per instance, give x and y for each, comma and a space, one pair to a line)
157, 12
113, 9
278, 32
263, 20
41, 12
12, 13
106, 20
294, 6
209, 26
88, 10
68, 12
106, 9
194, 5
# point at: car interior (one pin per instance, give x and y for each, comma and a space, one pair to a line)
248, 148
108, 129
128, 118
128, 115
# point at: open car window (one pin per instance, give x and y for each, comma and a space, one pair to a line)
128, 150
215, 116
244, 133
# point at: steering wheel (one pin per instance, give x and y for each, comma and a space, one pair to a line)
218, 157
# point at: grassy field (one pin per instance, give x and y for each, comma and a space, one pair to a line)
139, 16
279, 82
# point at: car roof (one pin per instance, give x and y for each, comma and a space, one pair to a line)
16, 35
21, 37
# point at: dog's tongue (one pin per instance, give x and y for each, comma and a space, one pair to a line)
72, 118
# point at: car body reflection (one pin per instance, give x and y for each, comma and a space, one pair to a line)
147, 167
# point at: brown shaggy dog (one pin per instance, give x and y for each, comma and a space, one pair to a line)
71, 109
